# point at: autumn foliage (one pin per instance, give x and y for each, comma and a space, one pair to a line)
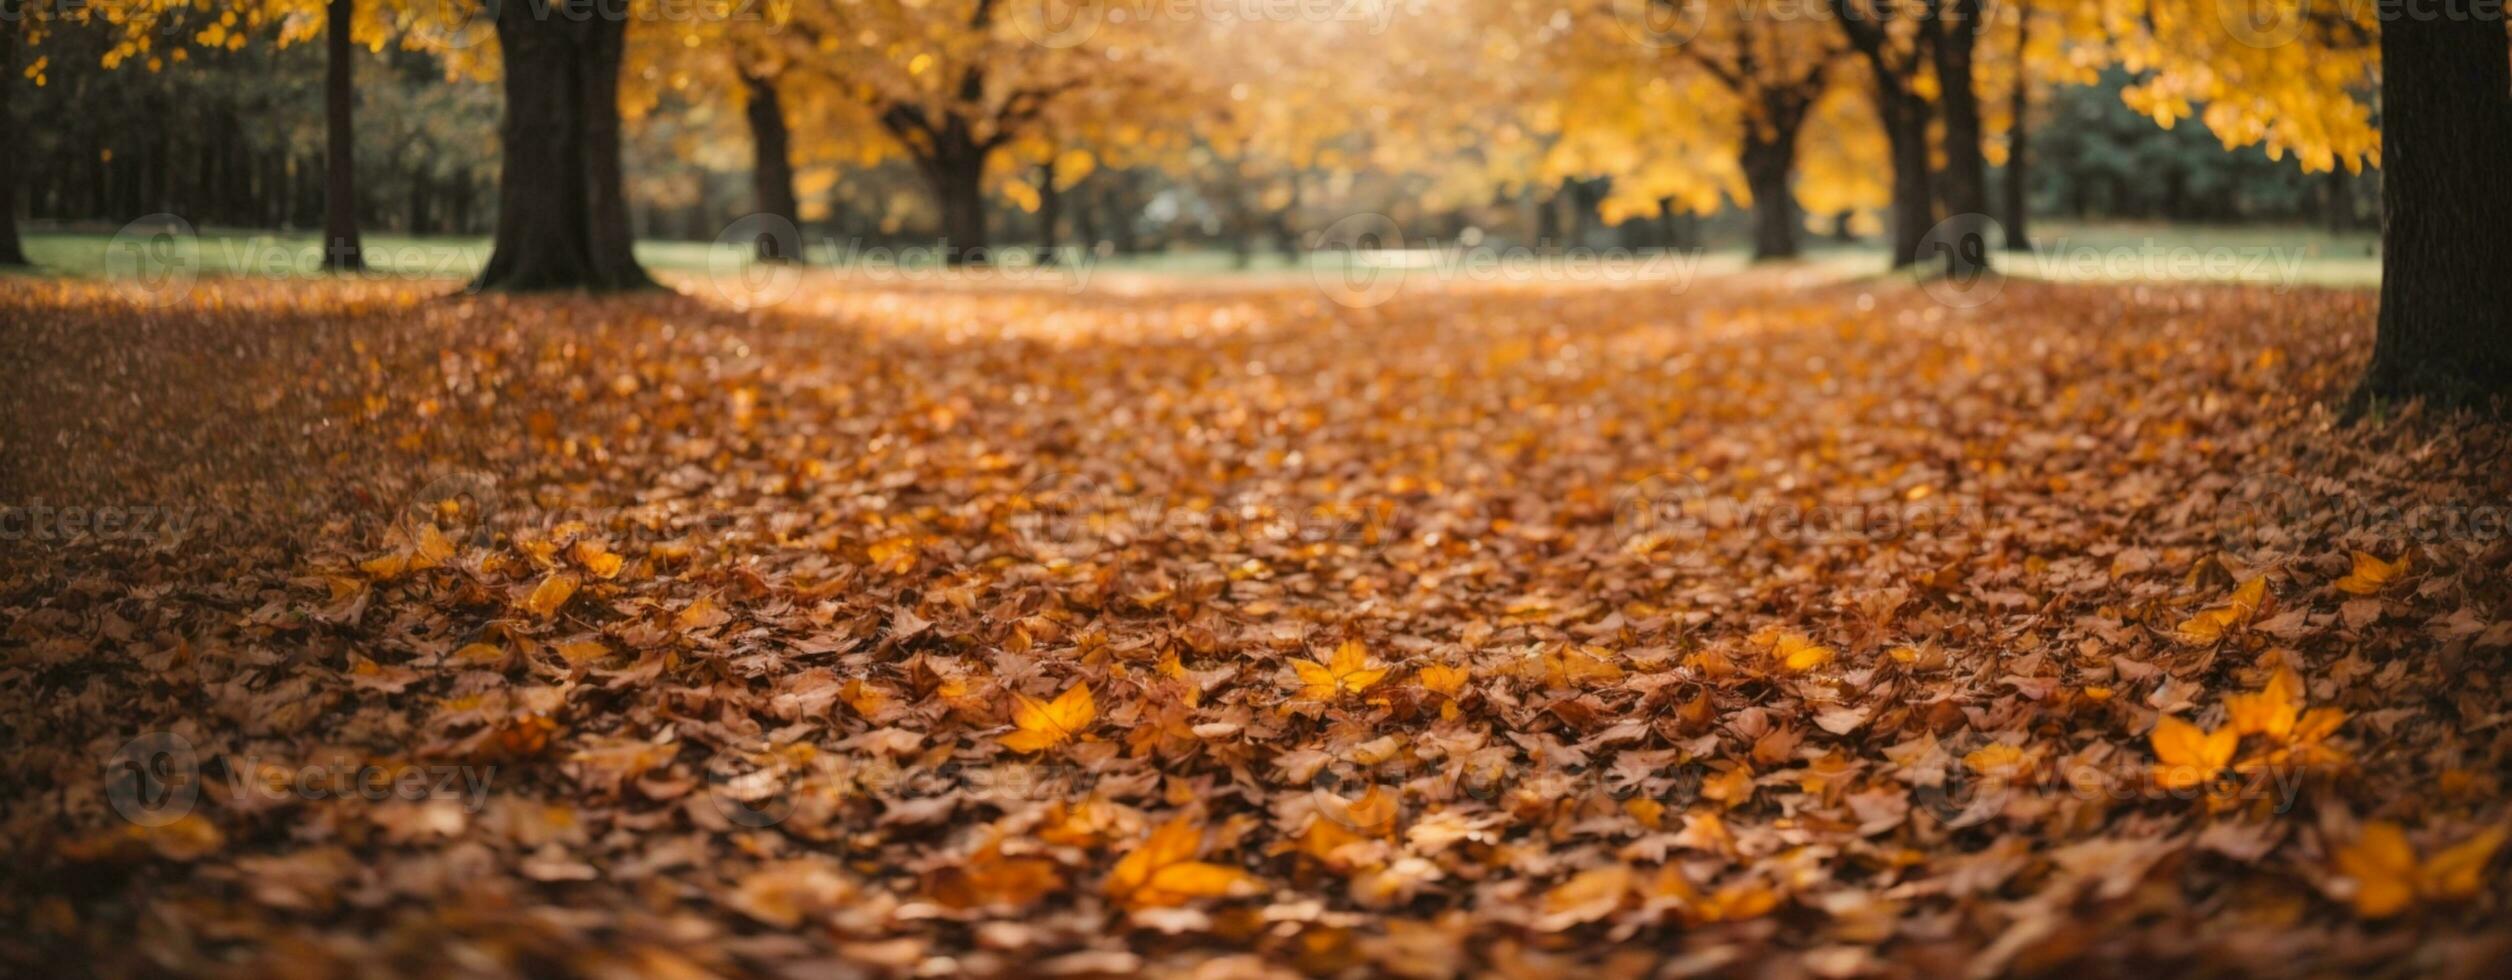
1774, 626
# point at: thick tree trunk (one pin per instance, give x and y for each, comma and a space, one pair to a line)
1906, 134
1768, 159
772, 172
562, 214
1903, 113
11, 251
1966, 184
2446, 127
2019, 143
958, 183
342, 252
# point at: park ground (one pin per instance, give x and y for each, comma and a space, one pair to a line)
1779, 622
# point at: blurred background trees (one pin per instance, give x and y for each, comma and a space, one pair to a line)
1018, 121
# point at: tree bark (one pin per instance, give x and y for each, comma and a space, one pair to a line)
1956, 25
1050, 211
772, 172
1904, 114
342, 251
12, 252
2445, 328
2018, 142
1768, 159
562, 213
958, 182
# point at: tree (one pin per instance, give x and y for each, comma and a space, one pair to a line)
562, 208
341, 248
1954, 28
1775, 67
2445, 329
289, 22
953, 82
772, 167
11, 251
1896, 53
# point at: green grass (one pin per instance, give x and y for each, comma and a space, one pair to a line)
2270, 256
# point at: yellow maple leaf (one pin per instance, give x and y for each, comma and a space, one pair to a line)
702, 614
2210, 624
596, 559
1347, 672
1579, 666
1162, 870
2188, 755
1444, 679
2371, 574
1996, 758
552, 593
2272, 710
1045, 724
1799, 653
2388, 878
431, 548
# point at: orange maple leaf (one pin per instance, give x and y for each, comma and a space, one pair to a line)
1162, 870
1047, 724
1347, 672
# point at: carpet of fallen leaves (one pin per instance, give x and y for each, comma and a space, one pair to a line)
1772, 627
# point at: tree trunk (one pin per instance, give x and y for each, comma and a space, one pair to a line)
2339, 202
1906, 133
562, 214
1086, 220
342, 251
2445, 330
1768, 160
1966, 185
2018, 142
1050, 211
11, 251
1903, 113
772, 173
958, 182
